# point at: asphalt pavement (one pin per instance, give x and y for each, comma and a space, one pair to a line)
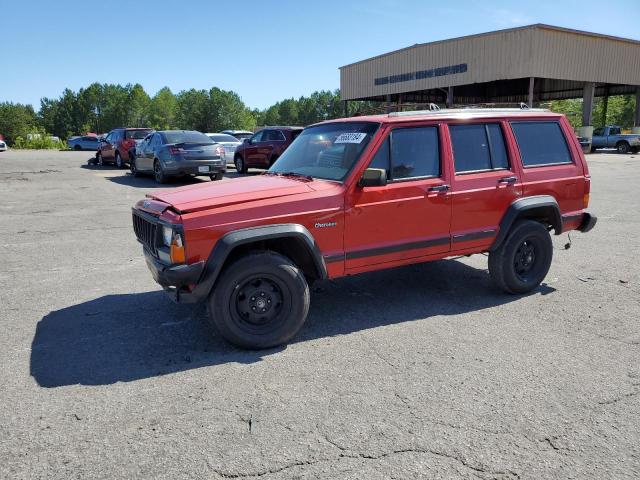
419, 372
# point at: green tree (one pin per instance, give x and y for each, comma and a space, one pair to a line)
162, 110
193, 110
139, 107
16, 120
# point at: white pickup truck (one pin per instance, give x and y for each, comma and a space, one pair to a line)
612, 137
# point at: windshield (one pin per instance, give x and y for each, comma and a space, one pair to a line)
186, 137
327, 151
136, 134
222, 137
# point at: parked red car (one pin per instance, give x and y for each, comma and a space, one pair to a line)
363, 194
119, 146
264, 147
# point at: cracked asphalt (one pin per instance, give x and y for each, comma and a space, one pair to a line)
419, 372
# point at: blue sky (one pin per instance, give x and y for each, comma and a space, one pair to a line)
263, 50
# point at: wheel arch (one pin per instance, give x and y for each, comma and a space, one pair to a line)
291, 240
542, 208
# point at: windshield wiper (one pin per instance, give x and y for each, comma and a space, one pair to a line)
290, 174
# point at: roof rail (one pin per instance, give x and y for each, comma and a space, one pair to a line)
466, 108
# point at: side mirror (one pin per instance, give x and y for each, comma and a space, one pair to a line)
373, 177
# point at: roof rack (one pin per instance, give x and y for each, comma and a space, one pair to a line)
482, 107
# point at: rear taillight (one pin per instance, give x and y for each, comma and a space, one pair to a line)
220, 150
175, 151
587, 191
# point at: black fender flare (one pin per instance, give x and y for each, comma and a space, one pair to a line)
225, 245
525, 207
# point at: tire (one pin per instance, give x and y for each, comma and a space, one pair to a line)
241, 167
520, 264
217, 176
133, 167
118, 160
158, 173
635, 150
260, 280
593, 149
623, 147
272, 160
77, 148
99, 160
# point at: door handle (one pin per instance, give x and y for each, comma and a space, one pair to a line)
508, 180
439, 188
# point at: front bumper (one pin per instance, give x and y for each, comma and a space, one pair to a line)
175, 278
588, 222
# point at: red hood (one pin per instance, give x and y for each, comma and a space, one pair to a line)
240, 190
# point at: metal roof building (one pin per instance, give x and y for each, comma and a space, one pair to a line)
526, 64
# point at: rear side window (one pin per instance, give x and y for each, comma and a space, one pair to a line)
541, 143
478, 147
409, 153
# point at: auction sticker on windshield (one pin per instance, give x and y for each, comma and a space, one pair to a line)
351, 137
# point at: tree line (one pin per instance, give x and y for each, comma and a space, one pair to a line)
102, 107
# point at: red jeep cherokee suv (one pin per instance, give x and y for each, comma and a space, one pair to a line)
368, 193
264, 147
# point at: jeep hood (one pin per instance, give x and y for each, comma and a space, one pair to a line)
229, 192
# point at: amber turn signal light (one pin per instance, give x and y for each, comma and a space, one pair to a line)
585, 200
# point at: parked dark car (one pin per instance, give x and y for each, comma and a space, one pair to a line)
119, 145
174, 153
264, 147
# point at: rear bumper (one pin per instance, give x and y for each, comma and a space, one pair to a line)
588, 222
194, 167
175, 278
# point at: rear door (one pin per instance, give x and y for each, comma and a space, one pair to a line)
410, 216
550, 164
107, 149
486, 180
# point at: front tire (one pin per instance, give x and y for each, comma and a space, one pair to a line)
99, 160
623, 147
158, 172
520, 264
241, 167
133, 167
260, 301
77, 148
118, 161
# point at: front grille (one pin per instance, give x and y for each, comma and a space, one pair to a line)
146, 231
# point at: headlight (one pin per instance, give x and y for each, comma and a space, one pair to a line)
167, 235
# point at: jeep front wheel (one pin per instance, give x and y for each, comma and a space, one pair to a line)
260, 301
520, 264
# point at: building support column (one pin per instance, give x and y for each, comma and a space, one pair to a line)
345, 103
449, 97
636, 117
532, 81
388, 103
588, 92
605, 106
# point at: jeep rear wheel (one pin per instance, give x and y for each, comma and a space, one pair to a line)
260, 301
520, 264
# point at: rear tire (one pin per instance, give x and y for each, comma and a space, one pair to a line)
99, 160
77, 148
623, 147
158, 172
241, 167
217, 176
260, 301
523, 260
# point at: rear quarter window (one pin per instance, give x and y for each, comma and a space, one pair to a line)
541, 143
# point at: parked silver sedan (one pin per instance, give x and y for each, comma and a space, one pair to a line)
86, 142
229, 142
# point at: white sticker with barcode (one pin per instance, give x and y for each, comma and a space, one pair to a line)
352, 137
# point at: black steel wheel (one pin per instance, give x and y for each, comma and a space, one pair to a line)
523, 260
623, 147
260, 301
